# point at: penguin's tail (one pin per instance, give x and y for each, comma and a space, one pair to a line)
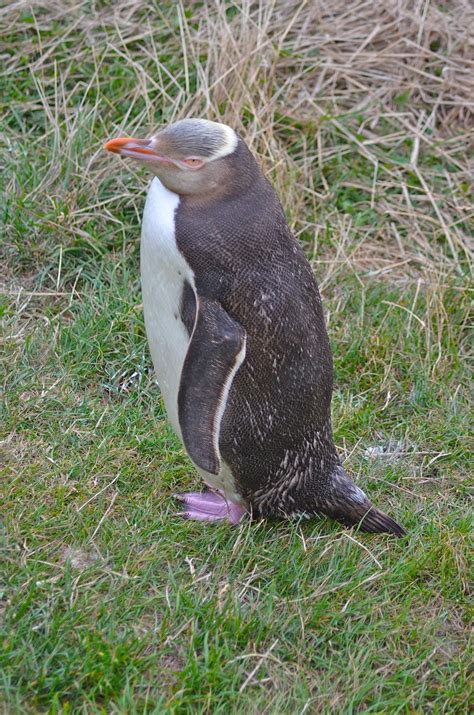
348, 504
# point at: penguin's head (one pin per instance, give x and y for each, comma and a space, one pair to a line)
192, 157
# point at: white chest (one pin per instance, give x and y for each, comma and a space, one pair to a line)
163, 273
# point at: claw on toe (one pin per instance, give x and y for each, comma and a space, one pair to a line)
210, 506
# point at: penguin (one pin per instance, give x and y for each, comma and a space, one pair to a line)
237, 334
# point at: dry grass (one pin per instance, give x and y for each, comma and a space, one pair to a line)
310, 85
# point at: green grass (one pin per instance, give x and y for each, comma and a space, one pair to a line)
109, 601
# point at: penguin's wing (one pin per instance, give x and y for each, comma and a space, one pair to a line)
215, 353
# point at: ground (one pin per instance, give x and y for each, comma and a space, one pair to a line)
360, 114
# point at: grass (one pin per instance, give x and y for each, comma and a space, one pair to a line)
109, 602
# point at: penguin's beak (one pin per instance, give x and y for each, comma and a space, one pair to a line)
141, 149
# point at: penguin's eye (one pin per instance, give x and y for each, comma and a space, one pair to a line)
193, 163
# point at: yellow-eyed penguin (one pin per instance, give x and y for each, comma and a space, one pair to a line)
237, 335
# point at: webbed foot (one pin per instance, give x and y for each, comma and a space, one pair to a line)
210, 506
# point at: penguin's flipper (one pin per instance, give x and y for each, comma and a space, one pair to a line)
215, 353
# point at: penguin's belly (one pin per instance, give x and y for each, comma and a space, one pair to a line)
164, 273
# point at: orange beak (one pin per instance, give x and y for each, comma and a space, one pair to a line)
135, 148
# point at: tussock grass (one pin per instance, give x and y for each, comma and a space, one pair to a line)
361, 115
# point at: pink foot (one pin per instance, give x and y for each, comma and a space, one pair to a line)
210, 506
